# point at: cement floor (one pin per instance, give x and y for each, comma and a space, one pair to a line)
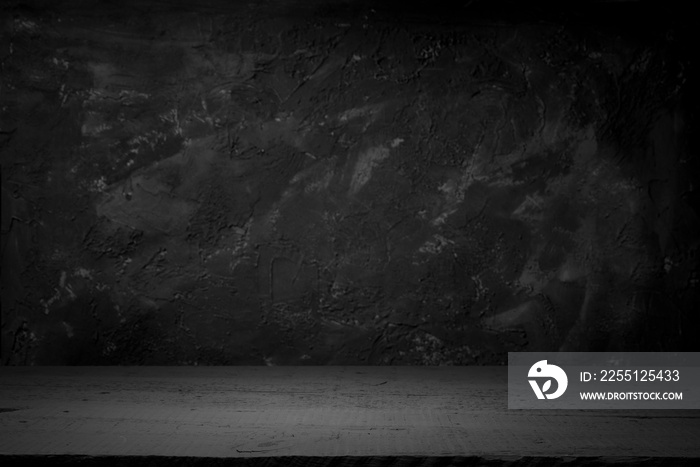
437, 414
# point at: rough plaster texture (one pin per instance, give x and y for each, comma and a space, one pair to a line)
303, 183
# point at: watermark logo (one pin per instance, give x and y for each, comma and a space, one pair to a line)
547, 372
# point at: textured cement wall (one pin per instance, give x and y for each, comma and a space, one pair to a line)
312, 183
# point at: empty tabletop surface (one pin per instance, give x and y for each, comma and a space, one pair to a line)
312, 411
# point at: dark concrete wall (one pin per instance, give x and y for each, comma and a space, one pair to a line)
313, 183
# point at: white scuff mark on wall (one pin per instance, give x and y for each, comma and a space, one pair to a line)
442, 218
272, 217
448, 188
509, 319
93, 124
150, 139
299, 176
571, 270
472, 172
530, 209
25, 25
50, 301
436, 245
84, 273
63, 94
62, 285
88, 274
668, 264
65, 286
454, 190
317, 177
367, 161
428, 341
94, 95
94, 130
131, 94
98, 186
125, 96
481, 291
357, 112
172, 117
320, 184
59, 62
454, 194
396, 142
240, 244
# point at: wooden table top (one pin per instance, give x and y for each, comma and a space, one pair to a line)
249, 412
